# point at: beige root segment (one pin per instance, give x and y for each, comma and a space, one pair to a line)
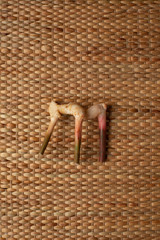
95, 110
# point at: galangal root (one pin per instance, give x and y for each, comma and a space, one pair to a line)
55, 111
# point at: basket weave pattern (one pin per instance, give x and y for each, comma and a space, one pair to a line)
85, 52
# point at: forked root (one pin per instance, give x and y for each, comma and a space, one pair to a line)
55, 111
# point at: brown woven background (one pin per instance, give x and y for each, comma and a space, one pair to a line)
87, 52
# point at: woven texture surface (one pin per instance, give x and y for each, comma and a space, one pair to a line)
85, 52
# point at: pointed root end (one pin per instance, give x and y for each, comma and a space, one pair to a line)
47, 137
77, 151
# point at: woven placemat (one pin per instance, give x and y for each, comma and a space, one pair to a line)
85, 52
